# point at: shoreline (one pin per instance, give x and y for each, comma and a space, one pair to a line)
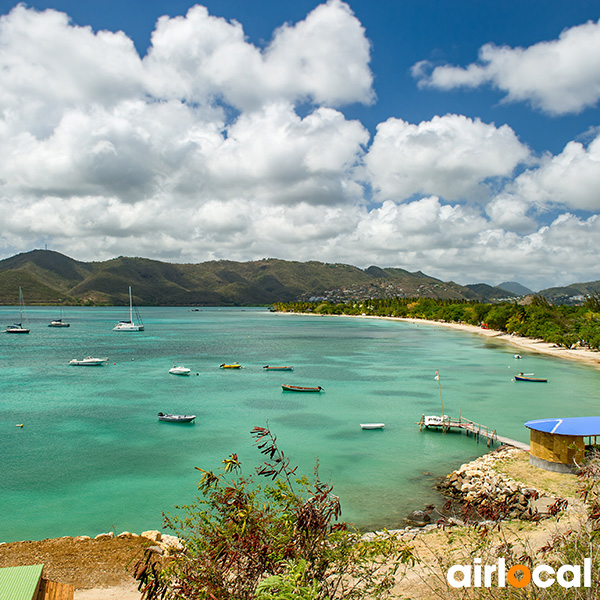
584, 355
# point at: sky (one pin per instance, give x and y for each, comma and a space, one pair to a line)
460, 139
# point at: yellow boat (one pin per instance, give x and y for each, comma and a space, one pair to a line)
233, 366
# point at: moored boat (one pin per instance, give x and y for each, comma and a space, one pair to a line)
232, 366
179, 370
168, 418
88, 361
58, 323
130, 325
297, 388
18, 327
372, 425
529, 377
269, 368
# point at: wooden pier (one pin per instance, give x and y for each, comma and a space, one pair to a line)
447, 423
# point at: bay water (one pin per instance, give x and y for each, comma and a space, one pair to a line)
92, 456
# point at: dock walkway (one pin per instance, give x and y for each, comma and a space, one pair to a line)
470, 427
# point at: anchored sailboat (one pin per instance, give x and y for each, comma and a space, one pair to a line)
130, 325
18, 327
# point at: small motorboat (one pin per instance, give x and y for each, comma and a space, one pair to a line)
88, 361
436, 420
529, 377
269, 368
518, 356
372, 425
297, 388
232, 366
167, 418
179, 370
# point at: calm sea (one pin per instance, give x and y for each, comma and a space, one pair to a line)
92, 457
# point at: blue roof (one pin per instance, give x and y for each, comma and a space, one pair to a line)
581, 426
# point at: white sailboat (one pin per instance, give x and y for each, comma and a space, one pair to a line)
130, 325
59, 322
18, 327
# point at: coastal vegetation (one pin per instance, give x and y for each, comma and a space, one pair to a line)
563, 325
276, 541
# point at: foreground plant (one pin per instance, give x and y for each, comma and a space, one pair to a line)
281, 540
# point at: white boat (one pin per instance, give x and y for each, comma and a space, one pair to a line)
59, 322
130, 325
179, 370
18, 327
175, 418
435, 420
88, 361
372, 425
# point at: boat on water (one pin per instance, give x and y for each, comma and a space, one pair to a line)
435, 420
18, 327
59, 322
168, 418
529, 377
130, 325
269, 368
372, 425
179, 370
232, 366
88, 361
297, 388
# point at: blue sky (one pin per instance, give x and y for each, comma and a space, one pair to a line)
461, 139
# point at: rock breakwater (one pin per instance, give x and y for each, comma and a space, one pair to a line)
484, 493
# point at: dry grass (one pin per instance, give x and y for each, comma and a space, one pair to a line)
556, 484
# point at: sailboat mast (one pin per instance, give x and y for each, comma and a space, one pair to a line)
21, 304
130, 307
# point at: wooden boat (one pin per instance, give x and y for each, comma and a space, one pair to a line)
372, 425
167, 418
269, 368
297, 388
529, 377
233, 366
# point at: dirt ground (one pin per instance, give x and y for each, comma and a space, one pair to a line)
98, 569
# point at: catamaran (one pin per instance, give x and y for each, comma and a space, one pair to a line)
18, 327
130, 325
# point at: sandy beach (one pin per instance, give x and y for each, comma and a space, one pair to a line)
586, 355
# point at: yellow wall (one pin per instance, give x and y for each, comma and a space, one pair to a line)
557, 448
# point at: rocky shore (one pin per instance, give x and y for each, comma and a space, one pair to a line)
485, 493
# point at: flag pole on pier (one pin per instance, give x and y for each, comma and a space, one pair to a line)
437, 378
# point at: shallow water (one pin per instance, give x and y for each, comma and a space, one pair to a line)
92, 456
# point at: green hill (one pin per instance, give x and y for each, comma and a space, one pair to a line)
48, 277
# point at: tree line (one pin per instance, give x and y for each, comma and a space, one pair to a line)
565, 326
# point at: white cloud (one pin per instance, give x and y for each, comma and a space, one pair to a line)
323, 59
450, 156
570, 179
105, 154
559, 76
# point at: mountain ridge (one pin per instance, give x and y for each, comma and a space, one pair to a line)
49, 277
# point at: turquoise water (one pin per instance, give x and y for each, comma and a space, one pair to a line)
92, 456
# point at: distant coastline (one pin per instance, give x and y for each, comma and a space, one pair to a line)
584, 355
